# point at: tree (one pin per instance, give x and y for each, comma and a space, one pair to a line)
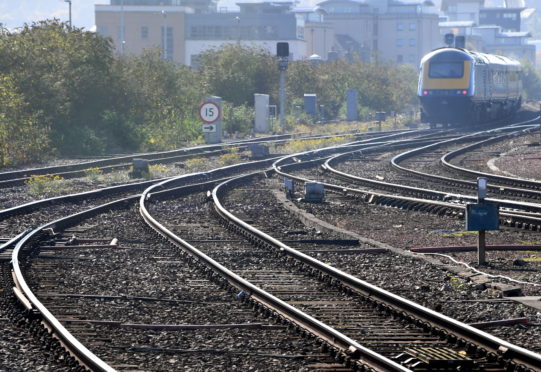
161, 99
64, 75
21, 139
236, 73
531, 81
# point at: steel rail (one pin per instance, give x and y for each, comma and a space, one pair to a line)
382, 198
328, 334
136, 187
74, 346
507, 218
11, 242
150, 156
32, 303
494, 344
506, 180
526, 208
18, 177
464, 183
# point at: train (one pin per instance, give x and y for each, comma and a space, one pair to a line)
459, 87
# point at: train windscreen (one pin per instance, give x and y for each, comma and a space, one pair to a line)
446, 70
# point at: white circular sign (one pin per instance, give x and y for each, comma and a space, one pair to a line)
209, 112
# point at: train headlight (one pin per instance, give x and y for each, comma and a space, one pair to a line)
425, 92
465, 91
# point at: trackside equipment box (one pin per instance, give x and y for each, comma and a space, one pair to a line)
482, 216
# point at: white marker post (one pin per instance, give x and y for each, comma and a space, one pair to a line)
210, 113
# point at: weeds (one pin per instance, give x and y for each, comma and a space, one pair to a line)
312, 144
45, 184
456, 283
158, 171
94, 174
232, 157
196, 163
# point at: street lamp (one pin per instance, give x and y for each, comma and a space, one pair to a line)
69, 2
122, 27
164, 34
237, 18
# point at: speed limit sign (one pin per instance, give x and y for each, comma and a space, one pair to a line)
209, 112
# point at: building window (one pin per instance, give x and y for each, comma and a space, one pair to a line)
300, 32
144, 32
167, 43
399, 27
412, 42
399, 42
400, 58
511, 16
413, 26
195, 60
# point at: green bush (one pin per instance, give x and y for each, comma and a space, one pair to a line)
237, 119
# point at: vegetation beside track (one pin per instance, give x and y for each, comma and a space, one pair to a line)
65, 92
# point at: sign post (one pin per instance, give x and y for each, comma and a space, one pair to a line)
210, 113
481, 217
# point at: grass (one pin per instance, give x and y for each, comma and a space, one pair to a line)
302, 145
46, 184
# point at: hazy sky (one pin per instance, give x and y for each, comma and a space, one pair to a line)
14, 13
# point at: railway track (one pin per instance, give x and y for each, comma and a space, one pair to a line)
119, 163
347, 300
380, 339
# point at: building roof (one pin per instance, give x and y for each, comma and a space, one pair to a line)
266, 3
527, 13
513, 34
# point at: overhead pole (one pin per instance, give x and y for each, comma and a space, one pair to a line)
122, 25
69, 7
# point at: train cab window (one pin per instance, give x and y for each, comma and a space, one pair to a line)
446, 70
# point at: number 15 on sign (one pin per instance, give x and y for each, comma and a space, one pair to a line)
209, 112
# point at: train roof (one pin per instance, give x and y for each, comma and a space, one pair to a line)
465, 54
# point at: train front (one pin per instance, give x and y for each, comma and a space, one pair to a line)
446, 86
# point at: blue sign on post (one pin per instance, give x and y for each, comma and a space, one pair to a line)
483, 216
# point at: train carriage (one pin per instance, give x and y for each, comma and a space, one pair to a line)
460, 87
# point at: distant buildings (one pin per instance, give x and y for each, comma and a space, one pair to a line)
381, 31
493, 29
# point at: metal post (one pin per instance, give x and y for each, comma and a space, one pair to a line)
164, 35
282, 64
481, 248
69, 7
122, 25
282, 98
237, 18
